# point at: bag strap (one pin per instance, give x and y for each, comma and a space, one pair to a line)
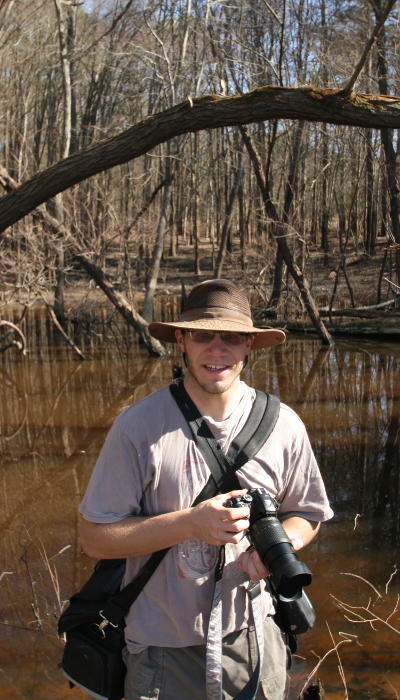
244, 446
256, 431
254, 434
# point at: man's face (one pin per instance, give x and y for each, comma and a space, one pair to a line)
216, 365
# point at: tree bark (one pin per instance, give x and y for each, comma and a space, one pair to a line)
209, 112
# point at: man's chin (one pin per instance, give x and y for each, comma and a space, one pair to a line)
216, 386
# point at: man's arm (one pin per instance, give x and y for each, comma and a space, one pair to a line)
210, 521
300, 532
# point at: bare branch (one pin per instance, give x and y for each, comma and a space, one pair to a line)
378, 26
210, 112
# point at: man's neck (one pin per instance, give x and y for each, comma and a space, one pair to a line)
216, 405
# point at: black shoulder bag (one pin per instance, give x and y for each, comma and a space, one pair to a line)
93, 623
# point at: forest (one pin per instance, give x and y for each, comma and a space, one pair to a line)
149, 144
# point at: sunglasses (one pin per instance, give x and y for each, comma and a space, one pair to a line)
227, 337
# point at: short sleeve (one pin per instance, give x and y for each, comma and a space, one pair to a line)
304, 492
118, 479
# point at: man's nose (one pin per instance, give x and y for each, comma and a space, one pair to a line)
217, 343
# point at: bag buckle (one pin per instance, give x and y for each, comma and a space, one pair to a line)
102, 625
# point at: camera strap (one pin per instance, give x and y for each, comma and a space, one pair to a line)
244, 446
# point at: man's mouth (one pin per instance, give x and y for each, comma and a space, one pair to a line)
216, 368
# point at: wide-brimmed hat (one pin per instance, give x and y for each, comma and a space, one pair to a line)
217, 305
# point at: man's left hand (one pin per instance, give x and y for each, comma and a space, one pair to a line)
251, 564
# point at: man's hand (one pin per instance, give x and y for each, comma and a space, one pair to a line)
251, 564
216, 524
300, 532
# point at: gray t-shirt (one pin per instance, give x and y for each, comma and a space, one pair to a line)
150, 465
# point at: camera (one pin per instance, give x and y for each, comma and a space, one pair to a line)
288, 575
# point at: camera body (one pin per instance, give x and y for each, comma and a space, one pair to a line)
288, 575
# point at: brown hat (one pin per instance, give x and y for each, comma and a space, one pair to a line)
218, 305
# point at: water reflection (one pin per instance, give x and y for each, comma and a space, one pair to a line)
54, 411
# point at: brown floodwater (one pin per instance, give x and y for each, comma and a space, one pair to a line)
54, 413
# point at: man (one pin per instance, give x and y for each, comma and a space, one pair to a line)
139, 499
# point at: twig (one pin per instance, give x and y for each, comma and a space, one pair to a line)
365, 610
346, 573
320, 662
392, 284
394, 611
341, 670
392, 575
393, 688
6, 573
35, 603
53, 574
273, 13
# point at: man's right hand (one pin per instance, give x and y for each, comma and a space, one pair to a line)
216, 524
210, 521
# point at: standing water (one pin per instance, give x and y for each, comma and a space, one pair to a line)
54, 414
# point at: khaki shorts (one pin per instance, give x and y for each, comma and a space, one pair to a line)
168, 673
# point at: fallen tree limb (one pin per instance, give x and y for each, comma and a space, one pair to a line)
64, 334
374, 311
382, 327
131, 316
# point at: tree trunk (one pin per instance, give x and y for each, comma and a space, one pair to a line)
154, 270
324, 198
387, 141
370, 224
227, 222
287, 206
278, 277
280, 233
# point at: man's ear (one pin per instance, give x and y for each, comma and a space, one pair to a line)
250, 342
180, 339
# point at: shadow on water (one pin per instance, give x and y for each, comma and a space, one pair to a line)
55, 411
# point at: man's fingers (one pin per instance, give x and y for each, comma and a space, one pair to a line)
236, 525
236, 513
251, 564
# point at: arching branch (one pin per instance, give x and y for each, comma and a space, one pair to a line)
210, 112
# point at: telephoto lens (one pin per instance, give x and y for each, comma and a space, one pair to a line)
288, 575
